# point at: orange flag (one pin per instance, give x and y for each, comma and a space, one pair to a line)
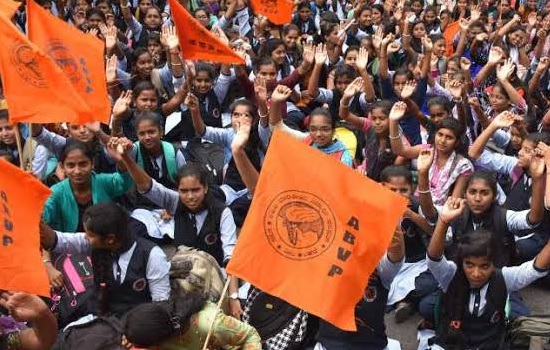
196, 42
80, 56
449, 35
8, 7
277, 11
22, 197
35, 88
314, 234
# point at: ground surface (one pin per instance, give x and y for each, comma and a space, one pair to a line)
536, 297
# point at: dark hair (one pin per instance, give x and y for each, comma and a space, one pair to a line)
205, 67
4, 114
254, 143
456, 127
326, 29
537, 137
323, 112
205, 9
95, 11
345, 71
193, 170
384, 105
487, 176
76, 145
147, 115
136, 54
290, 27
4, 153
361, 10
107, 218
440, 101
380, 9
270, 46
393, 171
303, 5
478, 243
152, 323
403, 71
265, 61
145, 85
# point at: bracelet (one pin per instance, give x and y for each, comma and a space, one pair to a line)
176, 64
124, 7
406, 35
457, 100
45, 261
396, 137
424, 192
262, 115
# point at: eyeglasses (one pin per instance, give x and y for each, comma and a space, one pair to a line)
322, 129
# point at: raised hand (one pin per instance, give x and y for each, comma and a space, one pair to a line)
110, 69
362, 59
93, 32
453, 208
260, 89
94, 127
425, 160
455, 88
320, 54
464, 23
281, 93
427, 43
544, 151
532, 19
308, 53
23, 307
482, 37
537, 165
110, 35
353, 88
192, 102
394, 47
495, 55
506, 119
170, 37
243, 134
543, 65
398, 110
387, 40
408, 89
475, 13
505, 70
465, 64
378, 37
122, 104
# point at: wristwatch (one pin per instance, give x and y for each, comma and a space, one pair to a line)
234, 296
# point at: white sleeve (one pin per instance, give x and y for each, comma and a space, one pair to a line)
158, 272
228, 231
518, 220
72, 243
518, 277
442, 270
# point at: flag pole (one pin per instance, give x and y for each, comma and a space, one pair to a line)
218, 307
29, 139
19, 149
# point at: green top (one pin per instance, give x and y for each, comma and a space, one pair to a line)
228, 333
61, 208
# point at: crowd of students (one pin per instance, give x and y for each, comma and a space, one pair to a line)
444, 102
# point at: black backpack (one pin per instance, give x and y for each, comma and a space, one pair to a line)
102, 333
210, 155
78, 296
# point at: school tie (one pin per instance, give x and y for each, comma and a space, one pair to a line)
195, 231
118, 274
477, 301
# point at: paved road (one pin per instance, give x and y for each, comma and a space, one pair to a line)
536, 297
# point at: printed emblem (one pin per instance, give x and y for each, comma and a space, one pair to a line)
139, 285
370, 294
210, 239
299, 225
23, 59
216, 113
65, 60
496, 317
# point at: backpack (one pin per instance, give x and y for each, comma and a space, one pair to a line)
210, 155
529, 333
102, 333
77, 298
281, 326
193, 270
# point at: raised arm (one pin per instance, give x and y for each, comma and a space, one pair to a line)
351, 90
542, 68
320, 59
361, 66
123, 146
452, 209
192, 103
503, 74
424, 162
398, 147
246, 169
121, 110
503, 120
383, 57
536, 170
495, 55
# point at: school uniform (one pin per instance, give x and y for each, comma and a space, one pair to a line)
369, 315
140, 270
484, 308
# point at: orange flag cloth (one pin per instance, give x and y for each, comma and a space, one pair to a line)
35, 88
22, 197
80, 56
278, 12
196, 42
8, 7
315, 232
449, 35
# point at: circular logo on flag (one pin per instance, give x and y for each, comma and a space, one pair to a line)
299, 225
23, 59
64, 59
